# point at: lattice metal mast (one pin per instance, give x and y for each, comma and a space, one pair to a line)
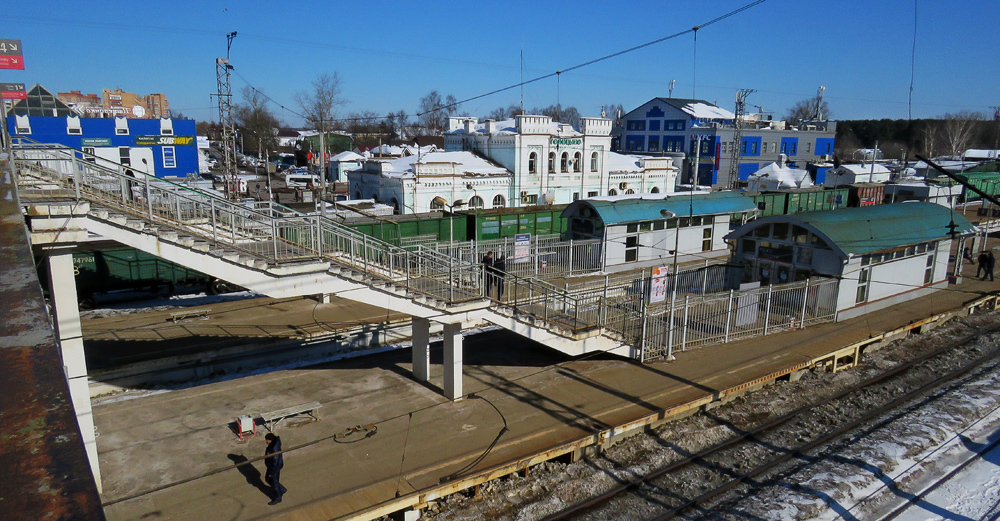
741, 109
225, 96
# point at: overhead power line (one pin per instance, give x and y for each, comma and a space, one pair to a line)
544, 76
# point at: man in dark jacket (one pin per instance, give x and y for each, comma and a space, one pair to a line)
274, 464
488, 276
500, 269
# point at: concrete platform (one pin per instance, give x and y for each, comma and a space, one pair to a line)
173, 455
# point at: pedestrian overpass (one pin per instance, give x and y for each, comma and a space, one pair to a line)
278, 252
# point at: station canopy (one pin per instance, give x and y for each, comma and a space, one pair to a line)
648, 207
858, 231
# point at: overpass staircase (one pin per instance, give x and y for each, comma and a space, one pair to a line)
278, 252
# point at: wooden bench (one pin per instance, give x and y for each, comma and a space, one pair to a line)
189, 313
272, 418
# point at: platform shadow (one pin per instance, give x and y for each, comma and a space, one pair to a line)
250, 472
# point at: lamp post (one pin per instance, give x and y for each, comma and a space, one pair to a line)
673, 291
441, 201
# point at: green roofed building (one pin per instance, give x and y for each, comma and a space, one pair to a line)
644, 231
881, 254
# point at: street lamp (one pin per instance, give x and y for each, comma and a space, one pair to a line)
441, 201
673, 291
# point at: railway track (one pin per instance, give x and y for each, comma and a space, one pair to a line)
716, 478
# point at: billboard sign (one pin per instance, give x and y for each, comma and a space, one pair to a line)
10, 54
522, 247
13, 91
146, 141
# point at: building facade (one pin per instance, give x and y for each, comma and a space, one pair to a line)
555, 163
162, 147
880, 255
705, 132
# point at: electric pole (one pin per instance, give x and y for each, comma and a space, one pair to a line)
225, 97
741, 108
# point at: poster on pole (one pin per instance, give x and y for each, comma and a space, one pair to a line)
522, 247
658, 285
10, 54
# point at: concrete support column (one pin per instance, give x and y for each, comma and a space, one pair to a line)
421, 348
453, 361
69, 336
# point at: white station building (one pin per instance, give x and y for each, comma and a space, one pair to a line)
525, 161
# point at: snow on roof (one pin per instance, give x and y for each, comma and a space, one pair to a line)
706, 111
865, 169
347, 155
471, 164
623, 163
782, 176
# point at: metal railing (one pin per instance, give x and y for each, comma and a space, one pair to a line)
712, 319
266, 231
617, 306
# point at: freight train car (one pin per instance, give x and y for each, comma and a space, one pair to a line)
463, 225
127, 273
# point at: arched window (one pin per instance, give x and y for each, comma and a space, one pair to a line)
552, 162
612, 192
499, 202
436, 205
655, 190
629, 192
564, 162
476, 202
576, 161
395, 205
357, 195
593, 162
532, 163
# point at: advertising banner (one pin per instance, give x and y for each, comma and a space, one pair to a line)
658, 285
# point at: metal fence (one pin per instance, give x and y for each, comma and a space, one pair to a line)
711, 319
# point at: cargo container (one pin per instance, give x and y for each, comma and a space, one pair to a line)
865, 194
500, 223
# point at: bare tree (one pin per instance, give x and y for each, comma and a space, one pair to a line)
959, 129
809, 110
929, 134
434, 112
319, 105
256, 123
398, 124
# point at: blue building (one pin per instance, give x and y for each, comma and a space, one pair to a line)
679, 125
163, 147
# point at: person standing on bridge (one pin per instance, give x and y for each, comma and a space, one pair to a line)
500, 268
274, 463
488, 276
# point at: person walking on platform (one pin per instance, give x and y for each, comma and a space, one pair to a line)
500, 268
991, 263
488, 273
274, 463
983, 259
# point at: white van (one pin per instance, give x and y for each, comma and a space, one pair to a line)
302, 180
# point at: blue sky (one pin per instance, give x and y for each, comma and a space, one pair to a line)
390, 54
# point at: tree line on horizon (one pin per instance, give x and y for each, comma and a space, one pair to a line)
949, 134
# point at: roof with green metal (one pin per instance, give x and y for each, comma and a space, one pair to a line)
857, 231
614, 211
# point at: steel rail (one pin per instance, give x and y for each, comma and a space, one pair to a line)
591, 503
